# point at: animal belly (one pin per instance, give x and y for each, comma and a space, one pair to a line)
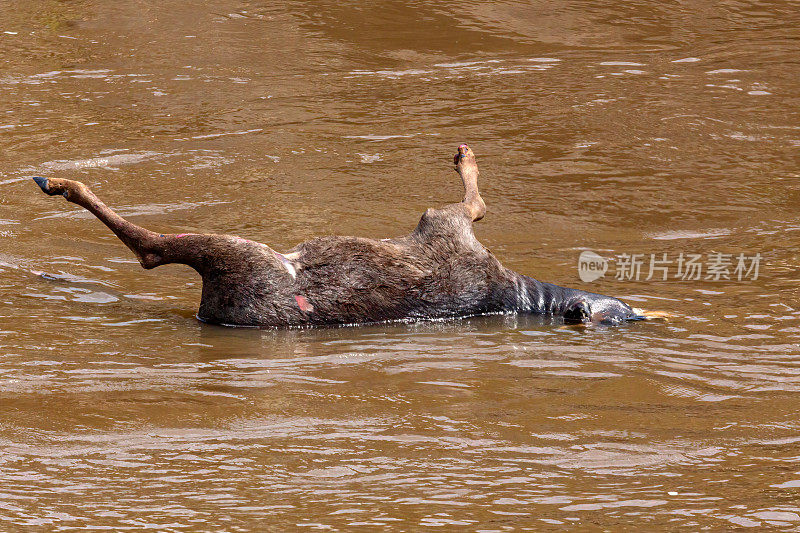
394, 294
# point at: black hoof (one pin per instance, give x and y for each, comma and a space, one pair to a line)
578, 313
42, 183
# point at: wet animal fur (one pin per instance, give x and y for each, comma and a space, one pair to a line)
440, 270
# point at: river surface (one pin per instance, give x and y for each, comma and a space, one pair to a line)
643, 127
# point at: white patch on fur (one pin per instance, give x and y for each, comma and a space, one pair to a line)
287, 264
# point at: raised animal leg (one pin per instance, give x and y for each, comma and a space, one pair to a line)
151, 249
467, 168
244, 282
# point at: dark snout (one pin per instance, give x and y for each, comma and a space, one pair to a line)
42, 183
610, 311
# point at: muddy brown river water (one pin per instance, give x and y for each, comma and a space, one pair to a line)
623, 128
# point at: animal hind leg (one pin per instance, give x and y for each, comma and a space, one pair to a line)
151, 249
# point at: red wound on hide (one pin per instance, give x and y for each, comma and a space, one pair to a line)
303, 304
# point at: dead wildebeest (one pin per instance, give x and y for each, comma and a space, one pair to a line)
438, 271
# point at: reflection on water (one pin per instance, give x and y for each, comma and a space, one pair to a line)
634, 128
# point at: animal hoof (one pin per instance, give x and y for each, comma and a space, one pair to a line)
578, 313
463, 152
42, 183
